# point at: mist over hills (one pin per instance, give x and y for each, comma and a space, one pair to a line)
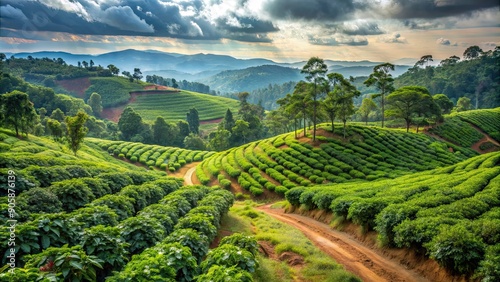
221, 72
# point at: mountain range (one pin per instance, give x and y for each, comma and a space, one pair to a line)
222, 73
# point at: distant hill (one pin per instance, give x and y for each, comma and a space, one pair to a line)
252, 78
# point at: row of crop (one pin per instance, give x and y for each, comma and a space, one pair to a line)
114, 243
419, 211
487, 120
178, 255
56, 229
455, 130
170, 158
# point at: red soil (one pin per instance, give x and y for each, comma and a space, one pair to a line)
76, 85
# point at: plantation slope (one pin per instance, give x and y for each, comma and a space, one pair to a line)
450, 213
174, 106
153, 156
40, 161
476, 129
281, 163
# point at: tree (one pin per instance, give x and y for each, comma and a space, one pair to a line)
85, 64
463, 104
240, 132
444, 103
193, 120
297, 104
91, 64
228, 120
58, 115
183, 127
407, 102
472, 52
220, 139
113, 69
76, 130
95, 102
130, 123
55, 129
383, 81
17, 111
194, 142
424, 61
449, 61
137, 74
342, 97
315, 70
161, 132
366, 108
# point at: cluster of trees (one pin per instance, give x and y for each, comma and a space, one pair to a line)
267, 97
475, 76
181, 84
234, 132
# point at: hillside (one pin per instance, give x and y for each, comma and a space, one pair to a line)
450, 214
281, 163
174, 106
479, 129
251, 78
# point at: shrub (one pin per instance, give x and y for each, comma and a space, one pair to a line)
122, 205
141, 232
457, 249
293, 195
40, 200
94, 215
281, 190
200, 223
489, 268
226, 274
228, 256
390, 217
243, 241
72, 193
188, 237
116, 180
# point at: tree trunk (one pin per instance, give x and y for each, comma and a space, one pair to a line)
407, 125
383, 107
295, 127
344, 121
314, 116
304, 124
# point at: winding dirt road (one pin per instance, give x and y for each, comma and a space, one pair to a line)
188, 177
355, 257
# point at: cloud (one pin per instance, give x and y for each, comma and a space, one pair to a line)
124, 18
445, 42
360, 28
337, 41
313, 10
434, 9
392, 38
10, 12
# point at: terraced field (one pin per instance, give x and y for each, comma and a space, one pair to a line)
450, 213
174, 106
487, 120
281, 163
164, 158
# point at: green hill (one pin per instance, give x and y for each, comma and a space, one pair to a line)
464, 129
174, 106
450, 213
282, 162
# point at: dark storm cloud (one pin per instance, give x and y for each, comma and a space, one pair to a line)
313, 10
433, 9
361, 28
130, 17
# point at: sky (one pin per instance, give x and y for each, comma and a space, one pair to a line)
280, 30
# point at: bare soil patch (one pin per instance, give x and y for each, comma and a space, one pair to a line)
76, 85
364, 261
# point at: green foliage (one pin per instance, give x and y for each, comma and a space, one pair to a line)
114, 91
76, 130
65, 263
194, 240
226, 274
106, 244
199, 222
72, 193
141, 232
122, 205
40, 200
457, 249
489, 268
16, 111
229, 255
243, 241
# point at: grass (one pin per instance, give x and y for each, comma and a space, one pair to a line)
174, 106
113, 90
244, 218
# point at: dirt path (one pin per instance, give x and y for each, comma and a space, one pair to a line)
188, 177
486, 138
356, 258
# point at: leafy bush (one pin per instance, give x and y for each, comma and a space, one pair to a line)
226, 274
198, 243
72, 193
122, 205
457, 249
229, 255
199, 222
489, 268
243, 241
141, 232
94, 215
68, 264
106, 244
40, 200
116, 180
